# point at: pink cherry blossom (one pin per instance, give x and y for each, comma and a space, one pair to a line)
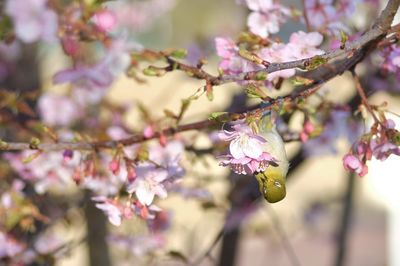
246, 154
301, 45
33, 20
352, 163
324, 15
169, 158
138, 245
308, 128
105, 20
9, 247
266, 17
391, 62
50, 105
148, 183
101, 74
383, 150
231, 62
138, 16
47, 171
112, 209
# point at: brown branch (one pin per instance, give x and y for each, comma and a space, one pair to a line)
354, 52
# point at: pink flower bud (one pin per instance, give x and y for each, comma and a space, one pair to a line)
353, 164
163, 140
70, 46
148, 132
105, 20
114, 166
77, 176
131, 174
67, 155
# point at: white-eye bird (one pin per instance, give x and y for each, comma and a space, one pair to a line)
272, 181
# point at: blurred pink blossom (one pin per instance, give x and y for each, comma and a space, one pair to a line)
9, 247
352, 163
105, 20
33, 20
266, 17
58, 110
139, 245
231, 62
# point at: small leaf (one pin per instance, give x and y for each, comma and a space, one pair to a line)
253, 91
31, 157
169, 113
299, 81
343, 39
179, 54
250, 56
34, 143
209, 92
3, 145
261, 76
152, 71
315, 62
219, 116
178, 255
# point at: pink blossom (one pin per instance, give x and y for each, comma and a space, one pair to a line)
246, 154
138, 16
33, 20
139, 245
266, 17
105, 20
9, 247
148, 183
391, 62
301, 45
169, 158
352, 163
323, 15
338, 125
308, 128
48, 171
320, 12
50, 105
231, 62
112, 209
148, 132
383, 150
102, 74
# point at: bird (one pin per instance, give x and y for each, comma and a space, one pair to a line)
272, 181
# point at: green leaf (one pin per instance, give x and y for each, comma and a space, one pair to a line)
315, 62
219, 116
152, 71
34, 143
299, 81
31, 157
343, 39
179, 54
3, 145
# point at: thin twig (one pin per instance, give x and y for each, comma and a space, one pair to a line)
284, 238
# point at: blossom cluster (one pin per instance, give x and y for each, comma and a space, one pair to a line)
147, 179
382, 142
391, 62
246, 153
301, 45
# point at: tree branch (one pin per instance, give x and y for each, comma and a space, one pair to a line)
353, 53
